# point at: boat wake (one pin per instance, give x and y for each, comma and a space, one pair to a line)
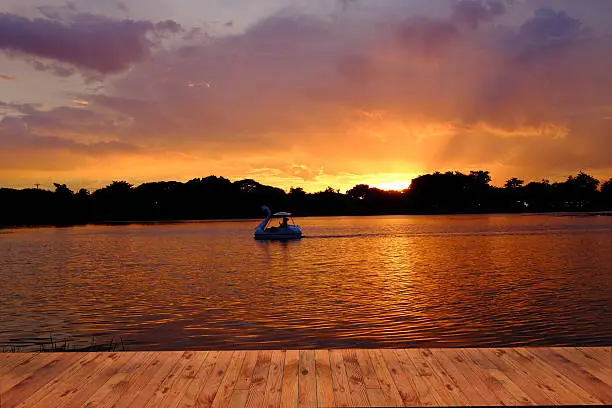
343, 236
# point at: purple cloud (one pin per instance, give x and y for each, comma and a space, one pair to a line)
55, 68
473, 12
88, 42
431, 36
548, 31
428, 35
21, 148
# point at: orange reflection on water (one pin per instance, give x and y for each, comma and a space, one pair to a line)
352, 282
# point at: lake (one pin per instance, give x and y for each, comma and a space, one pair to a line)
392, 281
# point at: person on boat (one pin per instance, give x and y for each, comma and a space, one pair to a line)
284, 223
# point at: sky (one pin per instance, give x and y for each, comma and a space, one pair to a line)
306, 93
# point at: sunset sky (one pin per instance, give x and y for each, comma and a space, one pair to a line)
307, 93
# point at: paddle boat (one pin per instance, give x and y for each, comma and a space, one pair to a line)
285, 230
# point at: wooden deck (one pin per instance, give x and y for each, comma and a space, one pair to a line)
308, 378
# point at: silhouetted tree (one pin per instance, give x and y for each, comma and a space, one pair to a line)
514, 183
578, 192
450, 192
364, 199
606, 193
359, 192
512, 198
83, 206
298, 200
329, 202
64, 205
114, 202
539, 196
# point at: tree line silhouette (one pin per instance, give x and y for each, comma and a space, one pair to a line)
219, 198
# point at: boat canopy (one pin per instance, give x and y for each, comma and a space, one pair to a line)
282, 214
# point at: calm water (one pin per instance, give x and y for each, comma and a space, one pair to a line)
351, 282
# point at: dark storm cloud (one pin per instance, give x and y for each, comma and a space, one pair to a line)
87, 41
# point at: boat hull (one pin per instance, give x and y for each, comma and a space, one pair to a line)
267, 236
284, 231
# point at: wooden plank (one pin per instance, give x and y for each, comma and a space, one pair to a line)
164, 364
186, 378
530, 383
246, 372
472, 375
210, 388
367, 369
602, 354
457, 378
426, 379
325, 389
88, 362
151, 366
536, 381
377, 398
162, 390
403, 373
588, 362
476, 373
607, 352
444, 377
388, 387
108, 391
257, 389
274, 386
38, 378
340, 388
307, 381
421, 378
498, 382
122, 382
356, 384
228, 384
289, 397
505, 387
191, 392
566, 372
23, 369
8, 361
77, 388
239, 398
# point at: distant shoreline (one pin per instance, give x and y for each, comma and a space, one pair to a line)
197, 221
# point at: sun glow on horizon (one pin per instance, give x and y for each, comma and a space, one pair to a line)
397, 185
